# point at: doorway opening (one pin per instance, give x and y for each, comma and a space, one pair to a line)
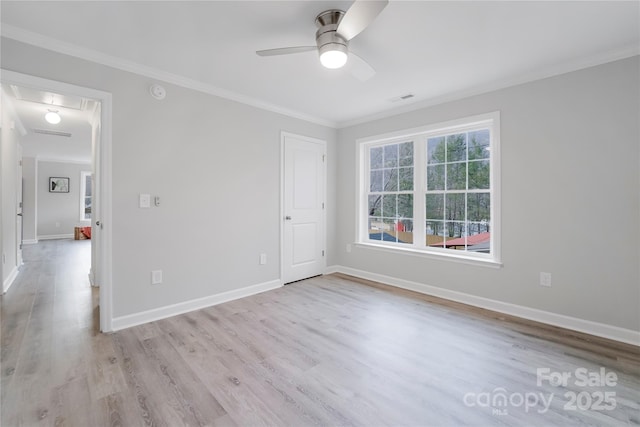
65, 182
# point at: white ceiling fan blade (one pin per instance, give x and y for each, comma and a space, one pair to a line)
359, 68
359, 16
286, 50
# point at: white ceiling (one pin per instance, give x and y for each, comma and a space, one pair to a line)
435, 50
30, 107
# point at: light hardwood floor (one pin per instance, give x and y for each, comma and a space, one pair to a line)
327, 351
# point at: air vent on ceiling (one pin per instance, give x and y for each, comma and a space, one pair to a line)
403, 97
52, 132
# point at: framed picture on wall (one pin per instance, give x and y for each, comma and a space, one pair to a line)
58, 184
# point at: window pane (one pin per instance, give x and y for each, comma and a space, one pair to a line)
475, 228
435, 206
87, 208
404, 231
375, 205
389, 230
389, 202
435, 177
479, 174
405, 205
479, 144
455, 235
375, 228
454, 207
405, 177
457, 176
87, 184
390, 179
406, 154
456, 147
479, 238
391, 156
436, 150
375, 155
478, 207
435, 233
376, 180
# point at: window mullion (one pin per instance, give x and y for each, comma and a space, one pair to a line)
419, 191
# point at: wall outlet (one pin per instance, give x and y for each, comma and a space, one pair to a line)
545, 279
156, 277
348, 248
57, 225
263, 259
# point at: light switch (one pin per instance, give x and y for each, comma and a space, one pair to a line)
145, 200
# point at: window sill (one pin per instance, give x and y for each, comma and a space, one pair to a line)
431, 255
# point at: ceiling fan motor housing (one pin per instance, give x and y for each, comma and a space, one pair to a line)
326, 37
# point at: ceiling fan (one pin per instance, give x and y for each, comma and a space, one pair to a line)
335, 29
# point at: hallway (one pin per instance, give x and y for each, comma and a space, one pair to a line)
49, 316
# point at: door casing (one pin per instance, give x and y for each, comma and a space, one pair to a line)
103, 190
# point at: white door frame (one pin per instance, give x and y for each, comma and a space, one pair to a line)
283, 136
104, 192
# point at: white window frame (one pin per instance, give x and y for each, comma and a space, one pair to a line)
419, 136
83, 192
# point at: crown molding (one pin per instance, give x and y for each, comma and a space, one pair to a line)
543, 73
70, 49
59, 46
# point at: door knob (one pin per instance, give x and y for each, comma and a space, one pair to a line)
288, 218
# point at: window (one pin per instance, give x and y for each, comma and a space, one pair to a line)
433, 190
85, 196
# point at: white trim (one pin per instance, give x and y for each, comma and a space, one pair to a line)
105, 192
551, 71
41, 41
455, 257
55, 236
580, 325
65, 48
419, 136
91, 280
30, 242
62, 160
130, 320
10, 279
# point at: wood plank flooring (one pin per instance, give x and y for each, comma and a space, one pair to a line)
329, 351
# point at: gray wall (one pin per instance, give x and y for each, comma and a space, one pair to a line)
570, 190
29, 176
59, 213
215, 164
570, 196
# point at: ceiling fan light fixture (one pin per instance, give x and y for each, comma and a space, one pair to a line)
52, 117
333, 55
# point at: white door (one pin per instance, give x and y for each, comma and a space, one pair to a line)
96, 235
303, 207
19, 223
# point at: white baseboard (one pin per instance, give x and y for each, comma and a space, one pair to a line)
6, 284
130, 320
30, 241
586, 326
55, 236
